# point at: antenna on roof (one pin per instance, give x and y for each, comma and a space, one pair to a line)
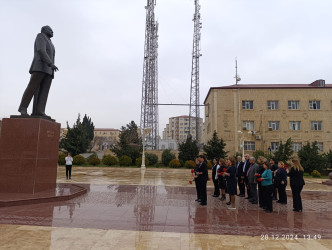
237, 77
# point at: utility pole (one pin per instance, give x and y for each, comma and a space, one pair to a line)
149, 111
194, 116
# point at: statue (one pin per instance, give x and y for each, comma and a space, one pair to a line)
42, 73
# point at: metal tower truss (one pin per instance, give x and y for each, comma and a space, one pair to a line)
194, 115
149, 111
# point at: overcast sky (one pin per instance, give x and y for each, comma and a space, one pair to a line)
100, 44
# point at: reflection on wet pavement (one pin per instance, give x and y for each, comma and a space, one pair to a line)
128, 208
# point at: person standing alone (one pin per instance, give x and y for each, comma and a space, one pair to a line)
69, 164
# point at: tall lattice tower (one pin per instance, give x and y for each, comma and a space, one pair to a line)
149, 109
194, 115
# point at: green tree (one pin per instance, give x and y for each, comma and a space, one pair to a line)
310, 158
89, 129
76, 140
129, 142
258, 153
188, 150
167, 156
284, 151
328, 159
215, 147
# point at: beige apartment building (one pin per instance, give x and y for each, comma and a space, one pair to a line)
258, 117
104, 138
178, 128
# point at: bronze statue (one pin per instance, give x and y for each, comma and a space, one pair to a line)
42, 73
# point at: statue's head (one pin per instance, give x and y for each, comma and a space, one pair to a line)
47, 30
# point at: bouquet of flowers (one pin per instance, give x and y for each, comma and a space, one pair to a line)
259, 179
257, 175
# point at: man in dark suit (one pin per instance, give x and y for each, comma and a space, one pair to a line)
240, 175
42, 73
202, 179
246, 166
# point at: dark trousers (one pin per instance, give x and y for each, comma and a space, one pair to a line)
260, 194
216, 187
297, 201
246, 183
253, 191
241, 185
275, 191
202, 191
282, 193
68, 171
38, 87
267, 195
197, 190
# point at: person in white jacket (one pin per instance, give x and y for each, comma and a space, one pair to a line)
69, 164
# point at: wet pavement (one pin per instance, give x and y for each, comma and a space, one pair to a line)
154, 205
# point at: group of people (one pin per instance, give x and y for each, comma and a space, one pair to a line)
262, 180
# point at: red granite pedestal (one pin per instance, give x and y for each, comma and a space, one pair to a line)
28, 155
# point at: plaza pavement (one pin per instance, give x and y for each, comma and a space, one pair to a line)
126, 208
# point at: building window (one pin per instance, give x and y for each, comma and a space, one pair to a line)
294, 105
316, 125
272, 104
313, 105
274, 146
247, 104
294, 125
248, 125
320, 146
296, 146
249, 146
274, 125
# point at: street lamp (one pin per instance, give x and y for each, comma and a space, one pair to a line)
242, 144
145, 132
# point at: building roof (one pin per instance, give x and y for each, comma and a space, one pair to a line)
313, 85
181, 116
106, 129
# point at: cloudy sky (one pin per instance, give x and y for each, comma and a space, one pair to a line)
100, 45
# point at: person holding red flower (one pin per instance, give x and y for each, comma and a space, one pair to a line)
221, 179
231, 181
202, 178
267, 188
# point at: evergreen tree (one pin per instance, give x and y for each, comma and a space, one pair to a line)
129, 142
284, 151
215, 147
328, 159
310, 158
76, 140
188, 150
167, 156
89, 128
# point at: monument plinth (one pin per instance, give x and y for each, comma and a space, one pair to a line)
28, 155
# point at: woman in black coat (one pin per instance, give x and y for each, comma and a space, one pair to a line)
296, 182
280, 182
231, 181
